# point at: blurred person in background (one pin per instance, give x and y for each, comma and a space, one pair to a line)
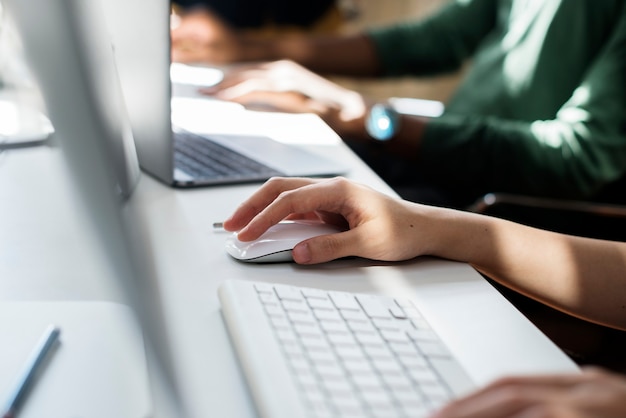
540, 110
203, 30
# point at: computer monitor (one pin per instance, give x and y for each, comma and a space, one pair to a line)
69, 51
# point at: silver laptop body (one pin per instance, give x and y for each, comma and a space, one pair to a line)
141, 35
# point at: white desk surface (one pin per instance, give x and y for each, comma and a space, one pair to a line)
48, 252
98, 369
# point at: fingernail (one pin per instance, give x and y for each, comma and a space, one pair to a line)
240, 231
302, 254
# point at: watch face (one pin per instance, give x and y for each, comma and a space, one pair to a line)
382, 122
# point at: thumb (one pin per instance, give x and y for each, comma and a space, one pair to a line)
326, 248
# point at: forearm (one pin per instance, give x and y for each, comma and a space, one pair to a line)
583, 277
349, 56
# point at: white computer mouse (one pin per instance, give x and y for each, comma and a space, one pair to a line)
276, 243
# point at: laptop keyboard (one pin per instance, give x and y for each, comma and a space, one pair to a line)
357, 355
202, 158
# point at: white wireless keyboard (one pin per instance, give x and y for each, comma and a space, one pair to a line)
314, 353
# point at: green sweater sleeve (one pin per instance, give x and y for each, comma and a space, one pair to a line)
440, 43
573, 155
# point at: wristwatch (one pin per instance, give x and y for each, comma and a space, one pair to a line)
382, 122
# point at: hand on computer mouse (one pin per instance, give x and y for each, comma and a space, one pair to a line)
379, 227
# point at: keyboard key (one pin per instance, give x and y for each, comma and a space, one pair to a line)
362, 327
269, 299
349, 405
378, 399
289, 293
397, 312
314, 293
432, 348
378, 351
329, 372
300, 365
419, 323
303, 317
413, 313
348, 353
383, 411
388, 366
312, 343
310, 329
342, 339
423, 375
413, 362
280, 322
398, 382
345, 301
326, 356
369, 339
331, 316
334, 327
422, 335
385, 323
321, 409
394, 336
294, 351
402, 348
275, 311
353, 315
437, 394
309, 381
320, 303
409, 398
416, 411
295, 306
368, 382
340, 389
264, 288
287, 336
358, 366
373, 306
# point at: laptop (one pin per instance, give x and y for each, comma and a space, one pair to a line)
295, 365
175, 155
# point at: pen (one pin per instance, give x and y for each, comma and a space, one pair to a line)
25, 379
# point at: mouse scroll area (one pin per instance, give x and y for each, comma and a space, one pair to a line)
275, 245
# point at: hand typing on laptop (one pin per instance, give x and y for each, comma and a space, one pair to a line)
520, 257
